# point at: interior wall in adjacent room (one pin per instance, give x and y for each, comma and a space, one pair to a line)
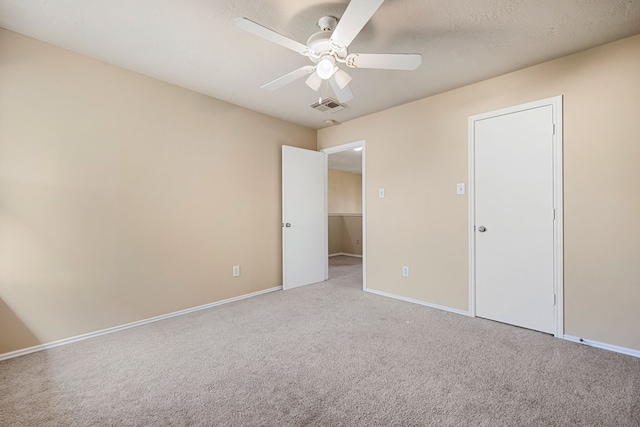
345, 212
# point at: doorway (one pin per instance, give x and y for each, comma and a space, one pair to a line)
346, 231
515, 215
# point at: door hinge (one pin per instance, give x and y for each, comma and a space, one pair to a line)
554, 299
554, 214
554, 129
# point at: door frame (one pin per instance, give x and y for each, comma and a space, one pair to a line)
345, 147
558, 244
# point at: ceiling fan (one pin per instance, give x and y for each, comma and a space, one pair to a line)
328, 48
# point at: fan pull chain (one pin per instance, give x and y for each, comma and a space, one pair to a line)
323, 88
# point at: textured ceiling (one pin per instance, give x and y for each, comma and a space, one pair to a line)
347, 161
194, 43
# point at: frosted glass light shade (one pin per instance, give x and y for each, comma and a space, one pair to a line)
314, 81
342, 78
325, 68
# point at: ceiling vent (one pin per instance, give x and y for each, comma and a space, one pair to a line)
328, 105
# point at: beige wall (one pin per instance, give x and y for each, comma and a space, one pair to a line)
335, 225
418, 152
345, 234
123, 198
352, 235
344, 192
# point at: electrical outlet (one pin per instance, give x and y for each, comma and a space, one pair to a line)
405, 271
236, 270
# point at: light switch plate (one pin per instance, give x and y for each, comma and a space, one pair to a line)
381, 193
460, 188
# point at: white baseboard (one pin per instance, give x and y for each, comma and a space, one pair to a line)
416, 301
604, 346
66, 341
344, 254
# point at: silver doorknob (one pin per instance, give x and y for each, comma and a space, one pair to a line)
482, 229
287, 225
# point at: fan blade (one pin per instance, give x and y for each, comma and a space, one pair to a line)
353, 19
288, 78
344, 94
270, 35
314, 82
385, 61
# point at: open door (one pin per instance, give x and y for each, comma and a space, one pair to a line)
304, 217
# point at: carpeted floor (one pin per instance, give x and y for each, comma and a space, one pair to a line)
322, 355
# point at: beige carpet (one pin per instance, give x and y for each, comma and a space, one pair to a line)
322, 355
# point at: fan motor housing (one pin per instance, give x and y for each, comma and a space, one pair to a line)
320, 44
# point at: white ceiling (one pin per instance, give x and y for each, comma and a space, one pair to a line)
194, 43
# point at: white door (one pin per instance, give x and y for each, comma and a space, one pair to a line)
304, 217
514, 215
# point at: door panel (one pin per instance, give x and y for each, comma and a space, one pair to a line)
304, 240
514, 202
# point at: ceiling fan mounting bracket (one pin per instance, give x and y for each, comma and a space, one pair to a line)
327, 23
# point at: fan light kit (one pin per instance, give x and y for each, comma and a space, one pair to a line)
326, 67
328, 47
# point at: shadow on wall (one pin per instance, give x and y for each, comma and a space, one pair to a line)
14, 335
